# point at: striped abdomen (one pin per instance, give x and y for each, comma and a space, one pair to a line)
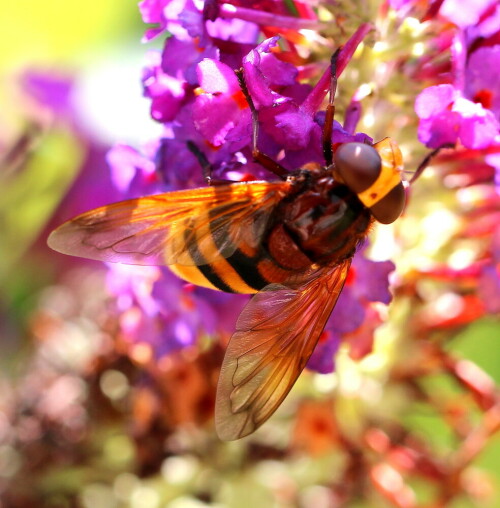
321, 224
248, 270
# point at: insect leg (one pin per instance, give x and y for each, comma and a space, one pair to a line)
330, 112
263, 159
206, 167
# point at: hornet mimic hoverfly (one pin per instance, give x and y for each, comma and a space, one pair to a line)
289, 241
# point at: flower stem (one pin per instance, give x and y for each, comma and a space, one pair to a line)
315, 98
268, 18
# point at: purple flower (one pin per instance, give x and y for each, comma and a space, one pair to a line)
132, 173
222, 107
50, 90
467, 110
166, 92
158, 310
323, 358
483, 78
171, 15
353, 318
180, 58
235, 30
446, 117
464, 13
197, 98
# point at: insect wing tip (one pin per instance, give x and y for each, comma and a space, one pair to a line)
60, 241
230, 424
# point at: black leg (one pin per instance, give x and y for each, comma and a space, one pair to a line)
330, 112
263, 159
206, 167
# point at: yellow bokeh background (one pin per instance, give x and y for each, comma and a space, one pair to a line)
62, 32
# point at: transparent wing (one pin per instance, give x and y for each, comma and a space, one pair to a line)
191, 227
275, 335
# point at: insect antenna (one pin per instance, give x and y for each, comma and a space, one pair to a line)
263, 159
330, 112
426, 161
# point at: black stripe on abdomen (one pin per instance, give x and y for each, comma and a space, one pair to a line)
211, 275
247, 269
205, 268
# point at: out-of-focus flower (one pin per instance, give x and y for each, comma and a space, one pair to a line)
465, 13
315, 431
463, 106
354, 319
446, 117
483, 78
159, 314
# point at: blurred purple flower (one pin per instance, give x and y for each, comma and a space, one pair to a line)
368, 281
168, 15
446, 117
157, 309
323, 358
466, 110
464, 13
483, 78
132, 173
50, 90
489, 288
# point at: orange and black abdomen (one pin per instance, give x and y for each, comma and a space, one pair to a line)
321, 224
247, 270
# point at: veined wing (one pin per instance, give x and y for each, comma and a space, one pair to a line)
188, 227
275, 335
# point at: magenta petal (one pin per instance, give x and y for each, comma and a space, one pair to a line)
125, 162
166, 93
478, 127
464, 13
440, 130
180, 17
234, 30
192, 21
323, 358
214, 117
216, 77
180, 58
293, 129
478, 132
277, 72
434, 99
257, 84
483, 77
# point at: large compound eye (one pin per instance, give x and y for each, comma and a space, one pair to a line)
358, 165
373, 173
390, 207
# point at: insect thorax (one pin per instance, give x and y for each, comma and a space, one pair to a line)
323, 223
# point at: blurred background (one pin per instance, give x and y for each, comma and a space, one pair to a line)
87, 420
